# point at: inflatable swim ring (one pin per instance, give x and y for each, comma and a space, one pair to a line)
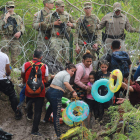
67, 121
64, 101
94, 91
84, 114
118, 84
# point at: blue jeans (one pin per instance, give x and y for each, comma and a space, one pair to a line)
22, 95
54, 97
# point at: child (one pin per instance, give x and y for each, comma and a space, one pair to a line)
90, 101
118, 60
103, 73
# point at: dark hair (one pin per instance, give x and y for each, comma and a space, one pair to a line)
116, 44
38, 53
92, 73
127, 75
70, 66
105, 62
87, 55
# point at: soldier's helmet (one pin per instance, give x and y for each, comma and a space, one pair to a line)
48, 1
10, 3
117, 6
59, 3
87, 5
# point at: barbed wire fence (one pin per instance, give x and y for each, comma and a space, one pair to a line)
29, 40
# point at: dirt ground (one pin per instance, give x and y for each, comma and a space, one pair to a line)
21, 129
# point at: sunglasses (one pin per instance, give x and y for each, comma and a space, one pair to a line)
11, 7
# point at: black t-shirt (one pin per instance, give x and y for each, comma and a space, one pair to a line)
102, 89
108, 58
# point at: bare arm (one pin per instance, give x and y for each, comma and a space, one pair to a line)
69, 87
46, 79
125, 86
7, 68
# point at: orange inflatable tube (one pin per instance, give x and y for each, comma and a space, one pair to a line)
60, 119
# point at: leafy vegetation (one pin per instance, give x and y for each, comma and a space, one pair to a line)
131, 116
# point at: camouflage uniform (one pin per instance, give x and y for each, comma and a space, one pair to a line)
8, 41
58, 43
81, 32
115, 26
43, 36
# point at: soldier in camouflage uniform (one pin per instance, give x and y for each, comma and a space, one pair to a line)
86, 36
43, 35
59, 43
10, 33
115, 23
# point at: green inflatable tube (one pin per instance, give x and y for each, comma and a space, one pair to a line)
64, 101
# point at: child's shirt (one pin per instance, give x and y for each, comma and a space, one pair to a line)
89, 96
102, 89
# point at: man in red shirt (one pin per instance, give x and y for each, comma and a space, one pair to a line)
38, 99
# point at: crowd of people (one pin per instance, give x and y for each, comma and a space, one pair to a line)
53, 29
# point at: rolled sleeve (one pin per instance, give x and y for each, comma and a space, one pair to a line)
23, 68
46, 71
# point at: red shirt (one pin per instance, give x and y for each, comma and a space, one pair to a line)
43, 69
134, 97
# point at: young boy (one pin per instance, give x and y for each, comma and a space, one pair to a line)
118, 59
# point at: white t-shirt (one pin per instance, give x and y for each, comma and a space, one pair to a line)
3, 61
46, 72
60, 78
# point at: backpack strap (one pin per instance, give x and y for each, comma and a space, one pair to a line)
41, 64
32, 63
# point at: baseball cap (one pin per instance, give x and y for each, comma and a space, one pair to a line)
87, 5
48, 1
117, 6
59, 3
10, 3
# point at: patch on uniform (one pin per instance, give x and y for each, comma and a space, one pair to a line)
85, 43
88, 25
57, 33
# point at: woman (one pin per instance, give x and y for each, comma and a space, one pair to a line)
55, 93
82, 75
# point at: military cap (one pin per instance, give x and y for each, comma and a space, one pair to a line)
10, 3
117, 6
48, 1
59, 3
87, 5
